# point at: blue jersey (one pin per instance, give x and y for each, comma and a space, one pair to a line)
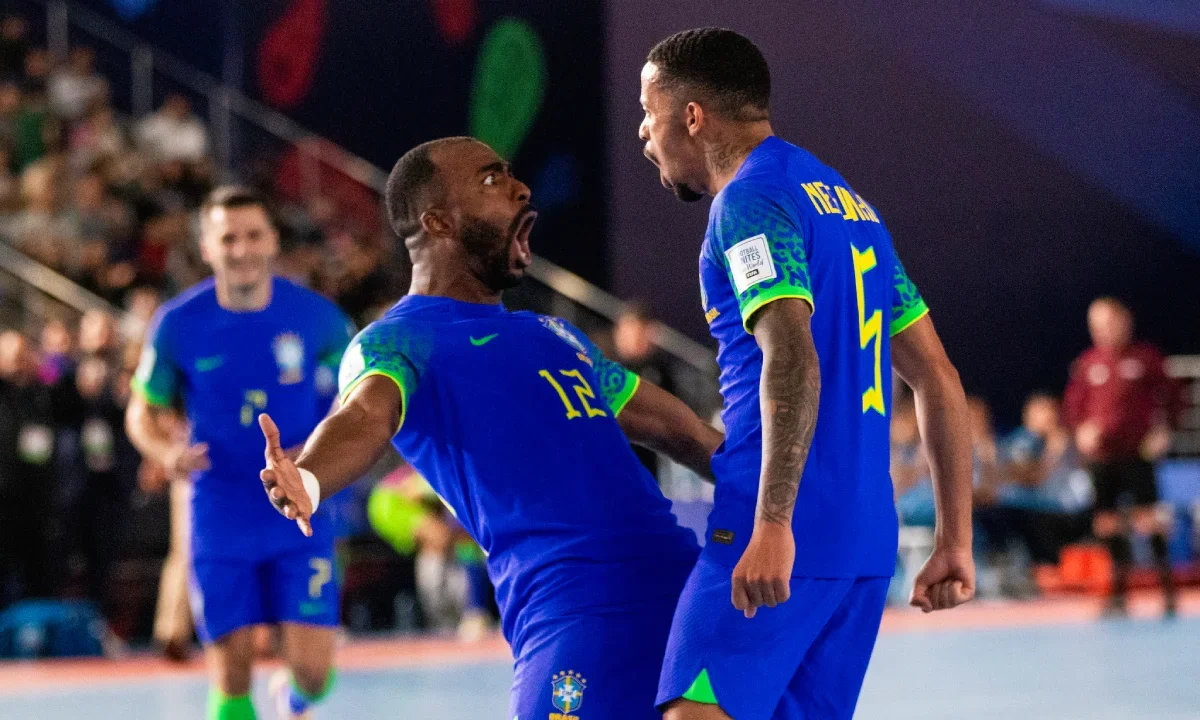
225, 368
511, 417
788, 226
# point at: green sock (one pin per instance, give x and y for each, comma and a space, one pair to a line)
224, 707
300, 700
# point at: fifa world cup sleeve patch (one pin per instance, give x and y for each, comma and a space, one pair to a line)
750, 263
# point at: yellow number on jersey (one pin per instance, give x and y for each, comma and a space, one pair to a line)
869, 328
322, 574
583, 391
254, 401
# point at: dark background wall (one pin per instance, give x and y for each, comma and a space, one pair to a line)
1025, 156
380, 76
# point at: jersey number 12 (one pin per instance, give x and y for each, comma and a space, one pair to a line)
870, 328
582, 390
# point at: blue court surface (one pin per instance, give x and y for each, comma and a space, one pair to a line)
1121, 670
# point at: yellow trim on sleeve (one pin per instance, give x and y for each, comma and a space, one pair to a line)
762, 301
345, 394
906, 320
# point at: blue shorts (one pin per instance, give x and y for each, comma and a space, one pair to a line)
803, 659
592, 667
300, 586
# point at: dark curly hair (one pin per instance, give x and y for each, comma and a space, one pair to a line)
723, 67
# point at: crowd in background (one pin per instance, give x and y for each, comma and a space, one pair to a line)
109, 202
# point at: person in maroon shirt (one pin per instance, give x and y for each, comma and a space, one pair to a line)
1120, 405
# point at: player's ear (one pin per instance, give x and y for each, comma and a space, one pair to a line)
436, 223
693, 117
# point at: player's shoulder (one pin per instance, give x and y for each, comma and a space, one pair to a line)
1147, 352
199, 299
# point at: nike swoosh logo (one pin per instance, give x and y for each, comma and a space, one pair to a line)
209, 363
484, 340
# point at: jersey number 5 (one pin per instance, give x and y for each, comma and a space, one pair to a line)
582, 390
870, 328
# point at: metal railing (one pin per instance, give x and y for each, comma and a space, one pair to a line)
227, 105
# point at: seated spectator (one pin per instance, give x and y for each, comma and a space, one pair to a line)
1046, 482
76, 86
97, 137
56, 359
28, 557
173, 133
13, 45
140, 304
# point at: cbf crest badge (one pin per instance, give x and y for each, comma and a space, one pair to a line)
567, 695
289, 356
559, 328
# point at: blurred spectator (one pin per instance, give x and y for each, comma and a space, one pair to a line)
634, 344
97, 138
913, 485
108, 463
984, 449
76, 86
1044, 482
28, 561
98, 337
173, 133
56, 353
140, 304
1121, 404
13, 45
10, 109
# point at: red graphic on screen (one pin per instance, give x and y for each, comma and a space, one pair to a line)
455, 19
287, 56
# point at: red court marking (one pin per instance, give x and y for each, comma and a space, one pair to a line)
426, 652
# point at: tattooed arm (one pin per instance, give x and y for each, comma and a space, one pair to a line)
790, 394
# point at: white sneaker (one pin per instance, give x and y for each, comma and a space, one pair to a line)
279, 688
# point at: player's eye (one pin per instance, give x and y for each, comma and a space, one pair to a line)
490, 179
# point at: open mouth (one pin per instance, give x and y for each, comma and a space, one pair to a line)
523, 256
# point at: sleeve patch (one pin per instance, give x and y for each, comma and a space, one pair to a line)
750, 263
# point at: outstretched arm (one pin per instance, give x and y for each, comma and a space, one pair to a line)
341, 449
656, 419
948, 578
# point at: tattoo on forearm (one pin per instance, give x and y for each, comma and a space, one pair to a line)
791, 390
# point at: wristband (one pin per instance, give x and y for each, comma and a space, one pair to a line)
311, 486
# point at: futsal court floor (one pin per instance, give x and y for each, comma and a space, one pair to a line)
1044, 660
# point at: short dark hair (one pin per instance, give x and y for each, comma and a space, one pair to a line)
725, 67
413, 180
230, 197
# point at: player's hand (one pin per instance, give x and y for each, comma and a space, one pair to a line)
946, 581
1156, 443
282, 481
152, 477
185, 459
1087, 438
763, 574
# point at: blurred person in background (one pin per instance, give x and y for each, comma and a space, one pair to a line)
13, 45
10, 108
173, 133
28, 560
911, 480
1121, 406
110, 465
634, 338
76, 86
1044, 482
451, 575
35, 125
97, 138
140, 304
246, 338
56, 359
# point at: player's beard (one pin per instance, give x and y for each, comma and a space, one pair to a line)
490, 247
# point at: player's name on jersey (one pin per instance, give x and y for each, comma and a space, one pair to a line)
839, 201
